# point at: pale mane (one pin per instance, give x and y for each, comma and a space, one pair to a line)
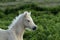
14, 21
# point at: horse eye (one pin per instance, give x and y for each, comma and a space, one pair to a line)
28, 20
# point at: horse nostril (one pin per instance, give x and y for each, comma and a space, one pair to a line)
34, 28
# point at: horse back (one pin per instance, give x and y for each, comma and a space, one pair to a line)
3, 34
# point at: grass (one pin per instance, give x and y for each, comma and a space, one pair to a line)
48, 22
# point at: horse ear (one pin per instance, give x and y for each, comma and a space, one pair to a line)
25, 13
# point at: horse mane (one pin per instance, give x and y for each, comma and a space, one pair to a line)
14, 21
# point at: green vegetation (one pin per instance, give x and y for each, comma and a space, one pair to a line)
7, 0
47, 20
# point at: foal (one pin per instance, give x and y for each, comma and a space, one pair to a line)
17, 28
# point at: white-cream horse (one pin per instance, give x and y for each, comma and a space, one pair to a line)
16, 29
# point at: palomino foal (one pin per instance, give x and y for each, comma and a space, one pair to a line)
16, 29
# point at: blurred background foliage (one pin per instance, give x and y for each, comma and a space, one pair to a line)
46, 18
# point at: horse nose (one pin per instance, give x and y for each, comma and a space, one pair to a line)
34, 28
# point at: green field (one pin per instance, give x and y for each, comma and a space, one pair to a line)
47, 20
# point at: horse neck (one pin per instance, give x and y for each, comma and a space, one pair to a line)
18, 28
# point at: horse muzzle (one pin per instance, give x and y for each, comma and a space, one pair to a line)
34, 28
